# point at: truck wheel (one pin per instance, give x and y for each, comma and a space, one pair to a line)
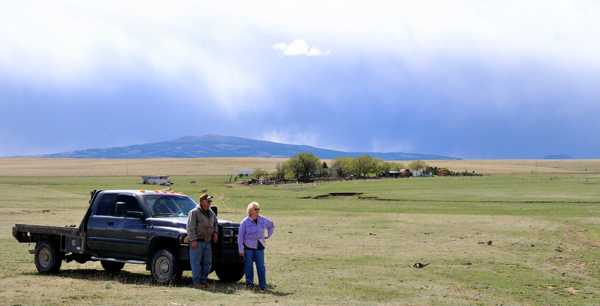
112, 266
165, 267
230, 272
47, 258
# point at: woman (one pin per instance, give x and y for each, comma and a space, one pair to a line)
251, 244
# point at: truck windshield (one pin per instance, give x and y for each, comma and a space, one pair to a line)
169, 206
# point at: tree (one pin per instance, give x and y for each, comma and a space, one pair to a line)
280, 171
382, 167
397, 166
258, 173
286, 171
303, 164
417, 165
362, 165
324, 170
341, 165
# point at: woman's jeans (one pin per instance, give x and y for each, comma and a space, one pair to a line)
258, 257
201, 261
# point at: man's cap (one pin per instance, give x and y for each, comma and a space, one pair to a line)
205, 197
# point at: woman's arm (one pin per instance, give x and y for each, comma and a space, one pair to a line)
241, 236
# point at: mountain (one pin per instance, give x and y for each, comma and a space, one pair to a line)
558, 156
225, 146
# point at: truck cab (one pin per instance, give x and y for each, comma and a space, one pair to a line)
136, 227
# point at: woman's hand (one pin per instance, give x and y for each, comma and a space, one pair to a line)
242, 254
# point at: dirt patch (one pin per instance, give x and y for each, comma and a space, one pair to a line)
339, 195
579, 234
23, 212
572, 290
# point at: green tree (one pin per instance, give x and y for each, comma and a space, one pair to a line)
362, 165
397, 166
382, 167
286, 171
258, 173
324, 171
280, 171
303, 164
417, 165
341, 165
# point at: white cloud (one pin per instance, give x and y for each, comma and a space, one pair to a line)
299, 47
287, 136
458, 55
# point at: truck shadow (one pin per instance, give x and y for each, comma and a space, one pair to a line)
136, 278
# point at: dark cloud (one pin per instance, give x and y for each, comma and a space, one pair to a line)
410, 80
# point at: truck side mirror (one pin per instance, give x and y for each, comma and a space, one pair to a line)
135, 214
120, 211
214, 209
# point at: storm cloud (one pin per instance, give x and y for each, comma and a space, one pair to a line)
470, 79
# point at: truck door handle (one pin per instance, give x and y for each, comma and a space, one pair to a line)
111, 223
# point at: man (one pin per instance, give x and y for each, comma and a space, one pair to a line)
201, 230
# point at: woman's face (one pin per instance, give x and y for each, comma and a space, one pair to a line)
254, 212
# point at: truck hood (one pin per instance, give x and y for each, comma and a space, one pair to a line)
182, 222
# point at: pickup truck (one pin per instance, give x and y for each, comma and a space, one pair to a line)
136, 227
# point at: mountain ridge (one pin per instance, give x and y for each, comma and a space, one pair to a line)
212, 145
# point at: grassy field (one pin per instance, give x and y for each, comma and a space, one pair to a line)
229, 166
543, 219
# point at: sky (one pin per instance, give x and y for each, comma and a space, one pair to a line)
466, 79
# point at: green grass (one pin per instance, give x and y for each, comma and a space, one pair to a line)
358, 249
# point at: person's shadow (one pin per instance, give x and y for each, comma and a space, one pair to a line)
136, 278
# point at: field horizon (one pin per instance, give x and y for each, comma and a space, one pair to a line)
231, 165
525, 233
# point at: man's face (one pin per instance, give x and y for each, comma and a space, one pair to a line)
206, 204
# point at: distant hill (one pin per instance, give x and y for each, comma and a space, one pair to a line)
225, 146
558, 156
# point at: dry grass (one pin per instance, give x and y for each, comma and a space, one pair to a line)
228, 166
521, 166
337, 250
127, 167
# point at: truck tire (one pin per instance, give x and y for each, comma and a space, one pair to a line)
48, 258
112, 266
232, 272
165, 268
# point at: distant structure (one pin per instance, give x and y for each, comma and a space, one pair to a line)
162, 180
401, 173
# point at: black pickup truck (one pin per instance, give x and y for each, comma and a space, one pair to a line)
132, 226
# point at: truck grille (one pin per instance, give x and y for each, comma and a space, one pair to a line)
230, 235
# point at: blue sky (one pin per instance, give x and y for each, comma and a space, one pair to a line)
468, 79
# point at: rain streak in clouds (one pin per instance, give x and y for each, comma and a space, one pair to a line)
469, 79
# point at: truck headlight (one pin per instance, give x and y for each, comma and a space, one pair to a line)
227, 232
183, 239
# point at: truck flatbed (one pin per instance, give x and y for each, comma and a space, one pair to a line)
22, 232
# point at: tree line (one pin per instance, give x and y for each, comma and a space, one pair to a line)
305, 166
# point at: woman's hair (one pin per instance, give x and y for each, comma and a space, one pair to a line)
251, 206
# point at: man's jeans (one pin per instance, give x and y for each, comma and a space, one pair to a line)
201, 261
258, 257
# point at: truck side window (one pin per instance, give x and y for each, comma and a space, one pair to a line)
106, 206
131, 203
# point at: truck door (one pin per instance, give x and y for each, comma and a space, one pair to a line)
110, 235
102, 217
129, 234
